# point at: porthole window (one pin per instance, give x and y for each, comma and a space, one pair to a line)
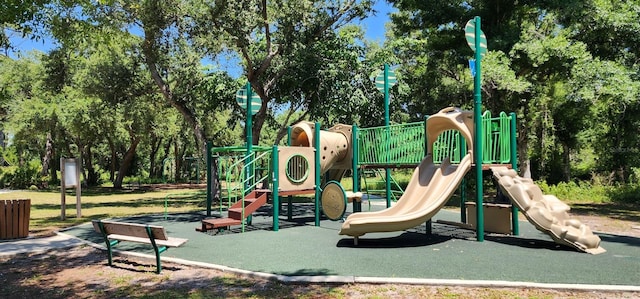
297, 168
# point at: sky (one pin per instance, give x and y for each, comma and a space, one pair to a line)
374, 27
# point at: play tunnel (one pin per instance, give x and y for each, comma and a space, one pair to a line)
335, 144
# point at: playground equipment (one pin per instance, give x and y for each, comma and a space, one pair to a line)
440, 147
430, 187
546, 212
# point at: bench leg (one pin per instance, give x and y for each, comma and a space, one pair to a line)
109, 243
157, 250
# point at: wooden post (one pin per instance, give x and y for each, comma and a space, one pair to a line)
63, 203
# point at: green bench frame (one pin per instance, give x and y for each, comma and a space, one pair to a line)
115, 232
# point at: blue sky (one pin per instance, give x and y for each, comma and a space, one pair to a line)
374, 27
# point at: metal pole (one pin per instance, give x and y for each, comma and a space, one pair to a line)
290, 197
463, 185
387, 171
209, 178
249, 129
357, 206
477, 115
515, 224
316, 145
429, 223
274, 194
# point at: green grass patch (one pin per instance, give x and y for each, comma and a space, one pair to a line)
99, 203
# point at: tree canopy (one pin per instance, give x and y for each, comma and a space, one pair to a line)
133, 84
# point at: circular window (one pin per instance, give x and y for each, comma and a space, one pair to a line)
297, 168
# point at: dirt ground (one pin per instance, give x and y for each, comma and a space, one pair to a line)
82, 273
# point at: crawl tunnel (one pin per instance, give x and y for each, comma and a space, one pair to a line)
335, 144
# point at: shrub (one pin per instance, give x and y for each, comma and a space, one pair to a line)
628, 193
24, 176
582, 191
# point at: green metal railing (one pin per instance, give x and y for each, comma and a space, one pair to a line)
393, 145
370, 186
239, 173
449, 144
404, 144
244, 175
496, 142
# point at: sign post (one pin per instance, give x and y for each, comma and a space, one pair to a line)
70, 177
478, 43
384, 81
251, 102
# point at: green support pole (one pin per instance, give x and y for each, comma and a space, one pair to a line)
357, 206
387, 171
290, 197
249, 132
429, 224
463, 185
274, 193
515, 224
477, 115
316, 145
209, 178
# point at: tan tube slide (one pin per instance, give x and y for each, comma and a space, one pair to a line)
546, 212
335, 145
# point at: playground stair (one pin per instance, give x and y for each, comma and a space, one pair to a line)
252, 202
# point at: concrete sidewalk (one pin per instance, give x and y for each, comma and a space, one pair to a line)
30, 245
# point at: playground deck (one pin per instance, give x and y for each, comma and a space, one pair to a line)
301, 249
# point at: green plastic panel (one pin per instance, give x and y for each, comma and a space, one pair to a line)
404, 144
396, 144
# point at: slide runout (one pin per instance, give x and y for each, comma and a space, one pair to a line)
425, 204
422, 175
546, 212
436, 185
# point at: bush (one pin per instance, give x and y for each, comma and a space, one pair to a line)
582, 191
22, 177
628, 193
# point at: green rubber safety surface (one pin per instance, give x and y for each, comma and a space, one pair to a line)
299, 248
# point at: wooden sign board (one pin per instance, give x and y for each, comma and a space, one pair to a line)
70, 177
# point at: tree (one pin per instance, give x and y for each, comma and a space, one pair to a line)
541, 55
284, 46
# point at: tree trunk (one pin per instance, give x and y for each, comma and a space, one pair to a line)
92, 175
523, 146
150, 51
177, 161
126, 163
566, 163
114, 157
46, 160
156, 142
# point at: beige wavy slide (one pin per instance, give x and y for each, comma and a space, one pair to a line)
430, 187
546, 212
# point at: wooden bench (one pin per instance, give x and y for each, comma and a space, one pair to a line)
156, 236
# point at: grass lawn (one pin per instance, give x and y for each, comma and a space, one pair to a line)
100, 203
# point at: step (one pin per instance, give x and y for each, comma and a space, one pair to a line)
236, 214
208, 224
247, 201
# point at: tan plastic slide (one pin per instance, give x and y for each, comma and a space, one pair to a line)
429, 189
546, 212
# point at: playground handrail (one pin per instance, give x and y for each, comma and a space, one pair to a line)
239, 184
398, 144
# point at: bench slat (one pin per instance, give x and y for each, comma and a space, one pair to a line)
131, 229
170, 242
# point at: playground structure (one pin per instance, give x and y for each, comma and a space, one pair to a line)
546, 212
316, 160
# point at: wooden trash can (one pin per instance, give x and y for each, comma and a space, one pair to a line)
14, 218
